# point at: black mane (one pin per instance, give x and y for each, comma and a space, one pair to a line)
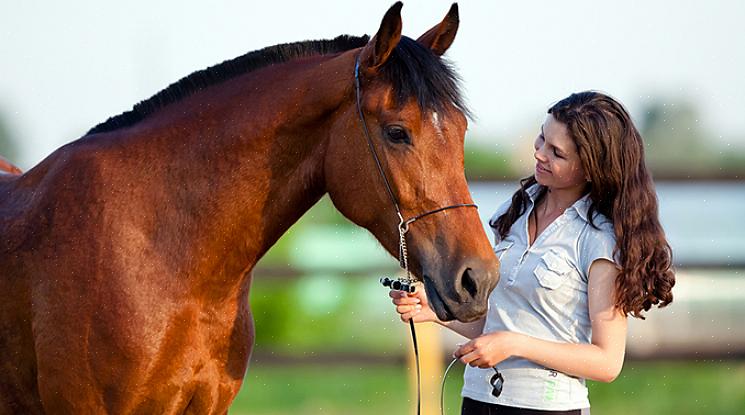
226, 70
412, 70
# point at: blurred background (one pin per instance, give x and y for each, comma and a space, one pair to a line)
328, 341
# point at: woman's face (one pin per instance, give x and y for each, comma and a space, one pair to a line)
557, 161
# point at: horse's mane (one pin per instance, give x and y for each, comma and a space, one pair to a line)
412, 70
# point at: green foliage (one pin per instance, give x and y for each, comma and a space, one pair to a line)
322, 213
322, 313
678, 147
487, 162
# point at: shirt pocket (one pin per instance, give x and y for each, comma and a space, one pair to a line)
553, 270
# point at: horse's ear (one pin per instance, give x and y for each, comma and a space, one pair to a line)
440, 37
379, 48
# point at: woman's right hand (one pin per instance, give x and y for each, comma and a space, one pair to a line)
413, 305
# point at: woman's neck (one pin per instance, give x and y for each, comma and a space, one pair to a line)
558, 200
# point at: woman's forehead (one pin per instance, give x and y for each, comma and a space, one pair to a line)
554, 127
557, 134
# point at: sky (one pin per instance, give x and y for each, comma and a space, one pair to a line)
66, 66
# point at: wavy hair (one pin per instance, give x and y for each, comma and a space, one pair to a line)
612, 154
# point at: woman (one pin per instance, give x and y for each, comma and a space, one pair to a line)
580, 247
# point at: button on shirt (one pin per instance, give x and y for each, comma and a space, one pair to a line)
542, 292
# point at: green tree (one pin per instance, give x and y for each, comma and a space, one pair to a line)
677, 146
487, 162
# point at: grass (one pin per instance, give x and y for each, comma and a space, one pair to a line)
680, 388
322, 390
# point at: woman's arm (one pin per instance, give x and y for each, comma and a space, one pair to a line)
415, 305
601, 360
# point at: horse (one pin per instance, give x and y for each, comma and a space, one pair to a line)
126, 255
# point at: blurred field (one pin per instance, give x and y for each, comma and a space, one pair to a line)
675, 387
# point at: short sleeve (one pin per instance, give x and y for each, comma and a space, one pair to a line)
596, 244
501, 210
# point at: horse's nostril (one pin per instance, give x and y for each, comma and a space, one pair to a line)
468, 283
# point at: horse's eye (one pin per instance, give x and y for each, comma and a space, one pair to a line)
397, 134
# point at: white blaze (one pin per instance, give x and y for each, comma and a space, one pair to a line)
437, 125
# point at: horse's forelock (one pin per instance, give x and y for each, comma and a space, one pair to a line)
415, 72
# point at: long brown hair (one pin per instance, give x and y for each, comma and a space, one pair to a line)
612, 154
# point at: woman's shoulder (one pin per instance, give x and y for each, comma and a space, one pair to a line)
597, 224
600, 228
601, 224
597, 240
501, 210
505, 205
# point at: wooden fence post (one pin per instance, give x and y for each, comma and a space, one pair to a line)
430, 356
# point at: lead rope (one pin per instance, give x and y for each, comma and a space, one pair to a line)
496, 382
442, 387
403, 259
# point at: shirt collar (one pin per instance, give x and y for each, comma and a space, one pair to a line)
581, 206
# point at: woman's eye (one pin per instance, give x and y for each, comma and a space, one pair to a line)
397, 134
556, 153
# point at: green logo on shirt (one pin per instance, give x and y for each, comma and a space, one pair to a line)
549, 390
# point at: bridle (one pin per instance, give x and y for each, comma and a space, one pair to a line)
403, 224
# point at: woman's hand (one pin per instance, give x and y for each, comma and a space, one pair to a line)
488, 350
413, 305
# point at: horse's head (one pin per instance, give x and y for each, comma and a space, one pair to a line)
416, 121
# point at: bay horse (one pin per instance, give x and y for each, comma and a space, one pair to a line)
126, 255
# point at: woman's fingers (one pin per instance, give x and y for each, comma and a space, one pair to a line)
405, 302
413, 308
403, 299
464, 349
468, 358
475, 354
409, 306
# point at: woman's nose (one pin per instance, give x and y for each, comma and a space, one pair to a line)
538, 154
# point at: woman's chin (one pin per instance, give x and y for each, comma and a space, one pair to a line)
541, 179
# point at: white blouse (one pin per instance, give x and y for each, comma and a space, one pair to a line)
542, 292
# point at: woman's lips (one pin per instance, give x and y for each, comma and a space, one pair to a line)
539, 169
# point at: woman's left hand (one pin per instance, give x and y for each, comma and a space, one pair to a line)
487, 350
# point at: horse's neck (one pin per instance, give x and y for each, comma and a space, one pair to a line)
258, 149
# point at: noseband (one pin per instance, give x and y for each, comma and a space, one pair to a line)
403, 224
